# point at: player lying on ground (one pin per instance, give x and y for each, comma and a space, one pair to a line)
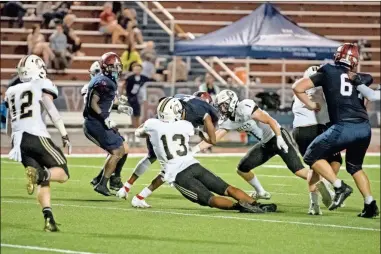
98, 126
246, 116
44, 162
119, 106
169, 136
309, 124
350, 128
196, 110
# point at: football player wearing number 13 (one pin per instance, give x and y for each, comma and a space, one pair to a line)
44, 162
350, 128
169, 136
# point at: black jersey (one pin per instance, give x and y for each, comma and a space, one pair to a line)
196, 109
343, 99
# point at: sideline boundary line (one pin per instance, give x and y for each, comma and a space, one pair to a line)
206, 216
27, 247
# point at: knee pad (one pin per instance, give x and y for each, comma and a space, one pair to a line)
44, 184
142, 166
353, 169
244, 167
335, 158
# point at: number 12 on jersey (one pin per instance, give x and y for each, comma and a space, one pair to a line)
26, 98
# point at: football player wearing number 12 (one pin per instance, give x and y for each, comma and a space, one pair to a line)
350, 128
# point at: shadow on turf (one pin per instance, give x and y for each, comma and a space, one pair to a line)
156, 238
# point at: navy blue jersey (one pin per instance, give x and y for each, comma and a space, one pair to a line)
196, 109
343, 99
106, 89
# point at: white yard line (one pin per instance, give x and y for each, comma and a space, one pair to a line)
139, 155
207, 216
27, 247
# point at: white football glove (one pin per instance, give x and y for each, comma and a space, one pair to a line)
195, 150
110, 123
281, 144
66, 144
122, 100
125, 109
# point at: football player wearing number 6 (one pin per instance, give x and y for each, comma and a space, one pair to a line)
350, 128
44, 162
169, 136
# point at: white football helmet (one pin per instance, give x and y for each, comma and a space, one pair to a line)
169, 110
31, 67
95, 68
226, 101
310, 71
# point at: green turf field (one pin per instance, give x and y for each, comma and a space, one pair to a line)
96, 224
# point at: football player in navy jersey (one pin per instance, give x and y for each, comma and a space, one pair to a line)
198, 110
98, 127
349, 125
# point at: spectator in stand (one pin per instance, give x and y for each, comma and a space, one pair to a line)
130, 56
181, 70
133, 88
38, 46
148, 66
109, 24
72, 39
128, 21
43, 7
53, 15
149, 50
209, 86
14, 10
58, 43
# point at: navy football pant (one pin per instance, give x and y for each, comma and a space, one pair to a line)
352, 136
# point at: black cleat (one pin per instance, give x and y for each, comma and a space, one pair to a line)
102, 190
95, 181
341, 194
268, 208
245, 207
50, 225
115, 183
370, 210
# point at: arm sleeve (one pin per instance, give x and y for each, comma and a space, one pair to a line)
54, 114
48, 87
369, 93
317, 79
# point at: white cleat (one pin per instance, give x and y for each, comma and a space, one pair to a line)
263, 195
325, 192
314, 209
122, 193
139, 203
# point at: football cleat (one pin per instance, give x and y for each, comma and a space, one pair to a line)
325, 193
263, 195
102, 190
139, 203
314, 209
268, 208
32, 177
122, 193
245, 207
370, 210
341, 194
115, 183
95, 181
50, 225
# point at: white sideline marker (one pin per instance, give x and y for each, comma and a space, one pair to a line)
27, 247
205, 215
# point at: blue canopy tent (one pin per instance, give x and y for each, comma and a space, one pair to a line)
265, 33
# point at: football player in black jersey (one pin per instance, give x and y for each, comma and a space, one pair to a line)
350, 129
